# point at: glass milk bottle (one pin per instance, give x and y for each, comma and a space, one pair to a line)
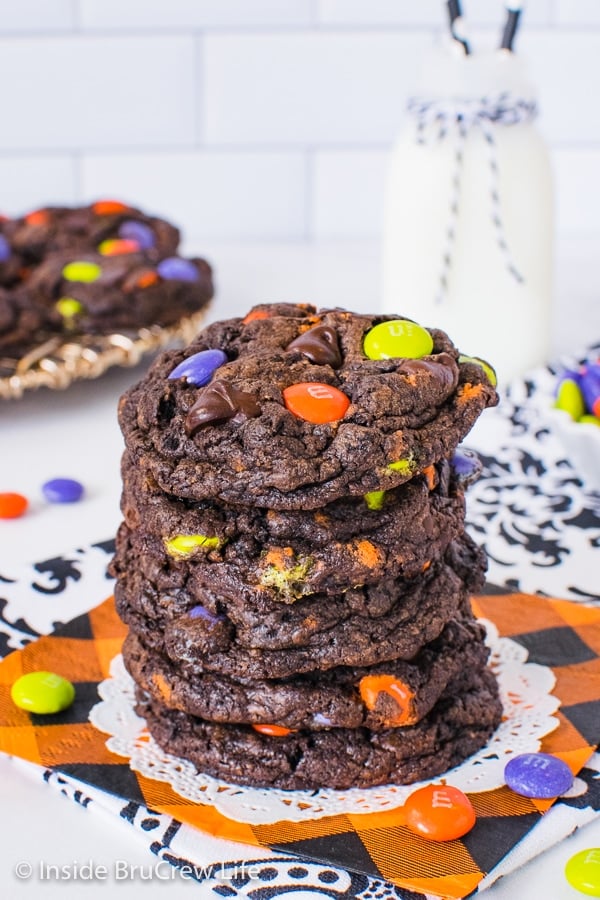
468, 233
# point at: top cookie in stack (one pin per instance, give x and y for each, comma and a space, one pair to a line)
92, 270
293, 565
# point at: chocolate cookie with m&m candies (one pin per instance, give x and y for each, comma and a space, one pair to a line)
396, 693
307, 408
285, 554
95, 293
109, 227
336, 757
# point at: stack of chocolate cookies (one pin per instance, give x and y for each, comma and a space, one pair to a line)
293, 565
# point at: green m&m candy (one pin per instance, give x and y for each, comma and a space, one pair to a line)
396, 339
570, 399
582, 872
68, 307
484, 365
42, 692
185, 544
81, 270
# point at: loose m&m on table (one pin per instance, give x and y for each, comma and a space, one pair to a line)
43, 693
439, 813
315, 402
582, 871
12, 505
538, 775
62, 490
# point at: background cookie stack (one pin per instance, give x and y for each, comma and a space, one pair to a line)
95, 269
293, 565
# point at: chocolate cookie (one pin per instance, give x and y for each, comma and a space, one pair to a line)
108, 226
296, 411
20, 318
99, 294
393, 614
288, 554
338, 757
378, 697
202, 642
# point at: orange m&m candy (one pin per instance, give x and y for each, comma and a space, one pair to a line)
38, 217
109, 207
255, 314
272, 730
147, 279
12, 505
118, 247
316, 403
371, 686
439, 812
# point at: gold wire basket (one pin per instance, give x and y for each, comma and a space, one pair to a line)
59, 361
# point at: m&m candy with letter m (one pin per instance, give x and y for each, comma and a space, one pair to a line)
398, 338
439, 812
315, 402
539, 775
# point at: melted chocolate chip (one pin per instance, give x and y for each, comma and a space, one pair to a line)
218, 402
320, 345
441, 368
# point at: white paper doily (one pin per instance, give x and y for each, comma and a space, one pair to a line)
528, 716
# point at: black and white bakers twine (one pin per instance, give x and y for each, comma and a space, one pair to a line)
436, 119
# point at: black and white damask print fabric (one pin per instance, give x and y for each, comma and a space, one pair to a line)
532, 511
540, 525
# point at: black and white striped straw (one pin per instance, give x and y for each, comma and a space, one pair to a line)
457, 24
513, 16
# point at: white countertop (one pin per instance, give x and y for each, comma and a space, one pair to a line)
75, 434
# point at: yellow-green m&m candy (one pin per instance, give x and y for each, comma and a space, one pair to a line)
583, 871
42, 692
81, 270
397, 338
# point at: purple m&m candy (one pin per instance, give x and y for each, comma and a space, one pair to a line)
199, 368
177, 268
467, 466
320, 719
538, 775
5, 250
62, 490
138, 232
201, 612
590, 388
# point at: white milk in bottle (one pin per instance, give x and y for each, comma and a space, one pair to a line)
468, 237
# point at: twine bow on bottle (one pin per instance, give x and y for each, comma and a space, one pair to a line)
460, 117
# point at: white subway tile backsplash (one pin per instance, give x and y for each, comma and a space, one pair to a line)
348, 192
32, 181
76, 92
407, 13
577, 174
259, 119
36, 16
577, 12
249, 195
566, 68
142, 15
308, 88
